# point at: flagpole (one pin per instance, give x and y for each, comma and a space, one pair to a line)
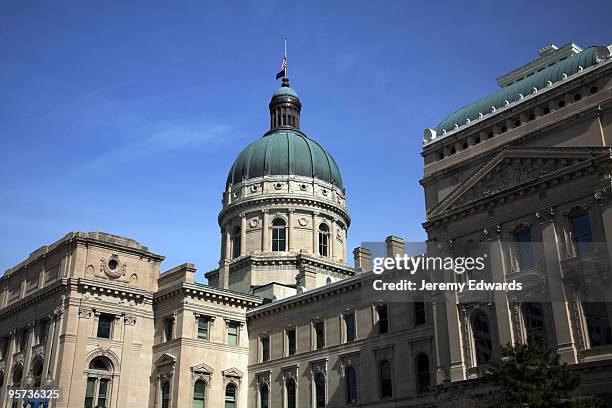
285, 56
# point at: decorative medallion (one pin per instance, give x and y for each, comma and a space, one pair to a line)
254, 188
278, 186
325, 192
113, 268
254, 223
303, 221
303, 187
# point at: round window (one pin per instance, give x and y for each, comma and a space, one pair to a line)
113, 264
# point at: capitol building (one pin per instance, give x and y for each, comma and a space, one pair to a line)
284, 321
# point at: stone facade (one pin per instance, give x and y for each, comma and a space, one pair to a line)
285, 321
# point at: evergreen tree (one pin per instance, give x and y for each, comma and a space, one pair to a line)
530, 377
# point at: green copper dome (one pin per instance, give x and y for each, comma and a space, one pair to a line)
285, 91
512, 93
283, 152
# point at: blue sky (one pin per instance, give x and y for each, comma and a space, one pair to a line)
125, 117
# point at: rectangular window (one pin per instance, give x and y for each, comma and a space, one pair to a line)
319, 329
43, 330
291, 342
383, 319
265, 348
105, 326
102, 393
23, 340
5, 347
232, 334
419, 313
168, 329
349, 326
203, 328
583, 236
89, 393
525, 256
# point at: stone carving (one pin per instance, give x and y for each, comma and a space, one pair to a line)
112, 268
129, 320
509, 177
85, 313
303, 221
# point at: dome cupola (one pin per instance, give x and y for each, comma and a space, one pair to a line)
285, 108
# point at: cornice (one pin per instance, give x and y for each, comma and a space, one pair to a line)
277, 199
590, 162
208, 293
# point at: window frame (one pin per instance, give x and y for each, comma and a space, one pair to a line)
111, 327
315, 333
279, 235
324, 239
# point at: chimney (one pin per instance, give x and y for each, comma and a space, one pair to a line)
395, 246
363, 258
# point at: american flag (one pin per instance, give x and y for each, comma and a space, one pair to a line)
283, 69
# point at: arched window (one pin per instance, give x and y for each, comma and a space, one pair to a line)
236, 239
422, 371
264, 396
97, 388
165, 394
482, 338
230, 396
320, 391
384, 378
323, 240
199, 394
351, 385
598, 323
291, 397
535, 327
278, 235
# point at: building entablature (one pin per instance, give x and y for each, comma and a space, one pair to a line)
205, 292
331, 289
55, 290
516, 172
257, 260
275, 185
293, 201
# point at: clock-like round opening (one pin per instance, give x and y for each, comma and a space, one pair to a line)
112, 264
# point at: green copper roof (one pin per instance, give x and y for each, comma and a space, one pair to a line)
510, 93
284, 152
285, 90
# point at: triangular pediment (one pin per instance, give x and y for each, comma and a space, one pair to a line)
233, 372
202, 369
514, 167
165, 359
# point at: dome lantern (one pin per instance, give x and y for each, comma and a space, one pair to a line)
285, 108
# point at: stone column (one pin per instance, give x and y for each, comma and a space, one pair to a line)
315, 233
606, 218
8, 380
566, 343
265, 247
243, 227
228, 242
290, 233
332, 239
502, 308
